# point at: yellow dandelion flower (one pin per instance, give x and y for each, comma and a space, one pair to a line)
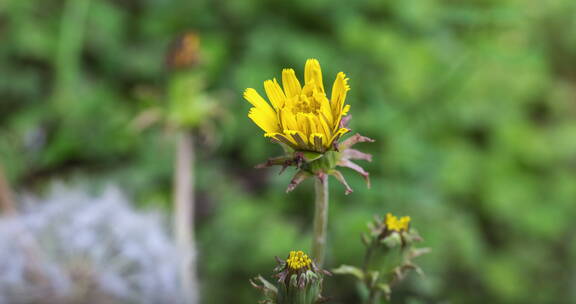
299, 116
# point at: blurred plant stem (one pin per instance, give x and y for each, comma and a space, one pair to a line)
375, 297
7, 205
68, 51
185, 113
320, 219
184, 213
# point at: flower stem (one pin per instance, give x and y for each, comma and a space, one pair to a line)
320, 219
374, 297
7, 204
184, 214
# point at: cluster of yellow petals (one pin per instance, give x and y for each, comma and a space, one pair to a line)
301, 117
394, 223
298, 260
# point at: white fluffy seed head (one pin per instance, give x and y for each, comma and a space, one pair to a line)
71, 247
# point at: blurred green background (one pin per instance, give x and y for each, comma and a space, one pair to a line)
472, 105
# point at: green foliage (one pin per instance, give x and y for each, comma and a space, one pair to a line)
471, 104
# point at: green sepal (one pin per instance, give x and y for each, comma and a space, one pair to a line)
314, 287
393, 240
310, 156
325, 163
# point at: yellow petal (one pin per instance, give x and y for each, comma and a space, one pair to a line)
339, 90
283, 139
264, 120
291, 101
338, 134
325, 110
275, 93
303, 124
345, 110
317, 140
314, 124
290, 83
288, 119
258, 102
313, 73
342, 114
324, 128
298, 137
308, 89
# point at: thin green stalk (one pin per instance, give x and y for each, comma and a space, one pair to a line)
320, 219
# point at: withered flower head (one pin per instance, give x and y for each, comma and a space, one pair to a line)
184, 52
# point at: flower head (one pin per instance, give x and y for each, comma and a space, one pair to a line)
308, 125
398, 227
390, 253
299, 281
301, 117
298, 260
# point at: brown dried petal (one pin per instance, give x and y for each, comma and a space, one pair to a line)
342, 180
354, 139
355, 154
357, 168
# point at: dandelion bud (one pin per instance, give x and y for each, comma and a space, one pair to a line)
391, 245
389, 253
299, 281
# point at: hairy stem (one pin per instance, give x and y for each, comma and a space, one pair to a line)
184, 214
320, 219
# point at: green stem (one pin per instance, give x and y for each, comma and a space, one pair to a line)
320, 219
374, 297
